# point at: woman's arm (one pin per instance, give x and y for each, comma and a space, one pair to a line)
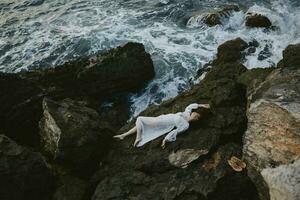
194, 106
181, 126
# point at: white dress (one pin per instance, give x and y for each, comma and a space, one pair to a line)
173, 124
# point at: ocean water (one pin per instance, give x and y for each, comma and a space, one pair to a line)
45, 33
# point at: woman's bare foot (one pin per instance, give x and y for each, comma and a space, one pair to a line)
121, 137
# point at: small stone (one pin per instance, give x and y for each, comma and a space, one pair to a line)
183, 157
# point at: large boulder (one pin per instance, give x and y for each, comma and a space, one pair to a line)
92, 79
255, 20
195, 166
214, 17
20, 109
231, 51
272, 139
74, 136
23, 174
121, 69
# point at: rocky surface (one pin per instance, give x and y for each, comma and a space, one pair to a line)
272, 139
70, 188
91, 79
74, 136
255, 20
143, 173
254, 116
122, 69
23, 174
20, 109
283, 181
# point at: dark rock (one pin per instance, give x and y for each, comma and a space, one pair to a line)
146, 172
70, 188
91, 79
257, 21
74, 136
291, 56
23, 174
115, 111
214, 18
265, 53
122, 69
253, 43
20, 109
272, 139
252, 79
231, 51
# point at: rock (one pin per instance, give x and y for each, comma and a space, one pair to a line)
74, 136
255, 20
231, 51
146, 172
70, 188
291, 56
93, 80
272, 138
213, 18
20, 109
283, 181
193, 182
23, 174
252, 79
265, 53
122, 69
183, 157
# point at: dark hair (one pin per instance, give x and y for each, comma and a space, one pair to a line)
202, 111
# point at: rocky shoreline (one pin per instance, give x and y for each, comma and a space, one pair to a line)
56, 140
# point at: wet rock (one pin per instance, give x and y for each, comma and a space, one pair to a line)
74, 136
23, 174
122, 69
231, 51
214, 18
283, 181
272, 138
291, 56
265, 53
255, 20
183, 157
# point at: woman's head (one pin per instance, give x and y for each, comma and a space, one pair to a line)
198, 113
194, 117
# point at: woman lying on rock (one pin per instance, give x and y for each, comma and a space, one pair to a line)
150, 128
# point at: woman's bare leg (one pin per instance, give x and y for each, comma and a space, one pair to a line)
138, 131
130, 132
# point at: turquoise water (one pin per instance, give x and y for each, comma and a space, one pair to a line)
45, 33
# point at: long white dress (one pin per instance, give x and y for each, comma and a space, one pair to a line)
173, 124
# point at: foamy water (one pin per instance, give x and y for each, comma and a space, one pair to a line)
47, 33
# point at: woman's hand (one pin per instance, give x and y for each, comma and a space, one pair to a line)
204, 106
